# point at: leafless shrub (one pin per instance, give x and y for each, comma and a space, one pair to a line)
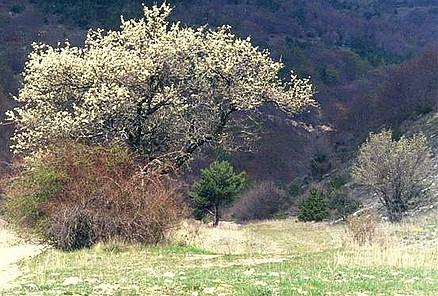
262, 201
395, 171
100, 196
362, 229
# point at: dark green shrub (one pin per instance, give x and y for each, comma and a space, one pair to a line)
26, 194
342, 205
294, 189
314, 207
6, 75
329, 74
339, 202
17, 8
425, 108
337, 182
320, 165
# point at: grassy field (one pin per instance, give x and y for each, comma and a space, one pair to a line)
267, 258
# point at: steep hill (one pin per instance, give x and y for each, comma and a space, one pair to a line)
374, 64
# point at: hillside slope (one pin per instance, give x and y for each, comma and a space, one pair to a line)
356, 52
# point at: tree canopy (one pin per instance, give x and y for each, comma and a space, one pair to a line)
164, 89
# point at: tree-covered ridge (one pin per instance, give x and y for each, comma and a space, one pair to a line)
349, 48
360, 25
87, 12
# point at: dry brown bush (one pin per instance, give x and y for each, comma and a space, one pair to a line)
103, 196
363, 229
262, 201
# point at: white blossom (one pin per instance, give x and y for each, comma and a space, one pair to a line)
162, 87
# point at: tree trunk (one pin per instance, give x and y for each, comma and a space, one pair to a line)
216, 216
396, 210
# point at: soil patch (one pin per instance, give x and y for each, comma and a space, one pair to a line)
12, 251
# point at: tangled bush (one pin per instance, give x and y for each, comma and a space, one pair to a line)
362, 229
396, 172
74, 196
263, 201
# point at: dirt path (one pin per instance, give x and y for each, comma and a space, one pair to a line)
12, 250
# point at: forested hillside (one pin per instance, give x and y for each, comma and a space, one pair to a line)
373, 63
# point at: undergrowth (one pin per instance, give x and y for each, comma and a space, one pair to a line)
74, 195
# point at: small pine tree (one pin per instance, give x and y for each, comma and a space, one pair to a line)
218, 186
315, 207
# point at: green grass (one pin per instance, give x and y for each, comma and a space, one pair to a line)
270, 258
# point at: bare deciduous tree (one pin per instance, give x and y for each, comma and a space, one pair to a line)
394, 170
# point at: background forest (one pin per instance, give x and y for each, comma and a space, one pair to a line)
373, 63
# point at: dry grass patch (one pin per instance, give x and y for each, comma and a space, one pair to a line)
227, 238
278, 237
392, 256
411, 244
300, 237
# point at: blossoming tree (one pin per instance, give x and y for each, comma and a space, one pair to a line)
164, 89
